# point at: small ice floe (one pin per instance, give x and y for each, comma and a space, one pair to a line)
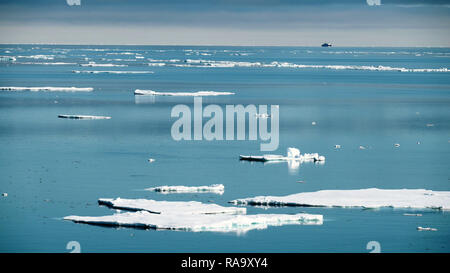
4, 194
93, 64
337, 146
169, 207
83, 117
365, 198
412, 214
293, 154
216, 188
396, 145
111, 72
199, 222
426, 229
263, 115
49, 89
182, 94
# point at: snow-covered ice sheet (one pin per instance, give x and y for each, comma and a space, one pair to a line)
367, 198
83, 117
183, 94
191, 222
169, 207
216, 188
47, 88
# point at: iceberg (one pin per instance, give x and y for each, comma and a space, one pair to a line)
183, 94
198, 223
216, 188
49, 89
169, 207
293, 154
83, 117
365, 198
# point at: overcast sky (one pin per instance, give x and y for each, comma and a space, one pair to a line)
227, 22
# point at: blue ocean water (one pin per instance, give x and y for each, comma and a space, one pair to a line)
53, 167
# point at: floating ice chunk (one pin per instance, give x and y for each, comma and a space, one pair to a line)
192, 94
293, 154
93, 64
426, 229
7, 58
169, 207
263, 115
112, 72
198, 222
83, 117
367, 198
50, 89
216, 188
54, 63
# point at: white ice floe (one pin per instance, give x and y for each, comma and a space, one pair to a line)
197, 223
169, 207
426, 229
7, 58
293, 154
367, 198
83, 117
53, 63
183, 94
112, 72
216, 188
228, 64
48, 88
93, 64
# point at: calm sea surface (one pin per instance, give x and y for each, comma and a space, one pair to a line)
52, 167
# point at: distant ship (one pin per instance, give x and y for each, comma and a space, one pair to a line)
326, 45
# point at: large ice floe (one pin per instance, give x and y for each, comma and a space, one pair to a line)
293, 154
190, 216
48, 89
169, 207
365, 198
196, 223
216, 188
83, 117
182, 94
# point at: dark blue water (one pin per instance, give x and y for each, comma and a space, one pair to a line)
53, 167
